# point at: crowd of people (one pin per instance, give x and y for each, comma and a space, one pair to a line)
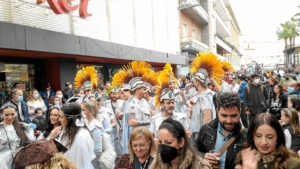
211, 118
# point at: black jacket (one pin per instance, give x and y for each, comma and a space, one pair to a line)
295, 139
276, 111
257, 98
207, 139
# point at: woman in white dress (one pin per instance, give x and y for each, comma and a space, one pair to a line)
13, 135
75, 136
34, 101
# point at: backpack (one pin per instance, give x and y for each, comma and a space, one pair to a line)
262, 88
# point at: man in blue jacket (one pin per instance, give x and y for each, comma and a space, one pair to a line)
22, 108
243, 84
47, 93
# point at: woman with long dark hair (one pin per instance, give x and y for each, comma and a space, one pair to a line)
13, 135
266, 137
53, 125
175, 150
278, 101
75, 136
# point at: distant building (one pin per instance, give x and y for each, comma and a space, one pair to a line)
209, 25
266, 53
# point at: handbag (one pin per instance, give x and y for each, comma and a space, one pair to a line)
108, 156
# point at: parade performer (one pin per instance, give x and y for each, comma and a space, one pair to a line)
136, 111
115, 105
165, 101
225, 87
87, 79
151, 81
205, 66
180, 99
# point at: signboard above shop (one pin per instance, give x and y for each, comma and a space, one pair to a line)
64, 7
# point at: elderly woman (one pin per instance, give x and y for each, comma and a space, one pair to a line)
141, 148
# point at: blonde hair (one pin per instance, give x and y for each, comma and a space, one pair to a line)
31, 98
294, 119
58, 161
91, 107
140, 132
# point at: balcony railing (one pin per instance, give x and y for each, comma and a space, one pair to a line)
193, 45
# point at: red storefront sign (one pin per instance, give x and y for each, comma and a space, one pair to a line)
62, 7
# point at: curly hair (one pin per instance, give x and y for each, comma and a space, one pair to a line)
228, 100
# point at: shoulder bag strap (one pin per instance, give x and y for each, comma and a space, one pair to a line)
228, 143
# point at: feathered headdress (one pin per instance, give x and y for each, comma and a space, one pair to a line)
205, 66
162, 89
226, 66
87, 77
131, 74
150, 77
112, 89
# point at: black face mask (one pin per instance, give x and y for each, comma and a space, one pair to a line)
168, 153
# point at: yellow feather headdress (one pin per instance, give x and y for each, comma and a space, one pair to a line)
209, 62
151, 78
127, 72
86, 75
164, 78
226, 66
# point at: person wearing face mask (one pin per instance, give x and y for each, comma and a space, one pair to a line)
293, 88
39, 120
175, 150
22, 107
285, 81
35, 101
60, 95
255, 98
165, 101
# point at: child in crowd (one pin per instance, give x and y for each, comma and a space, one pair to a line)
291, 128
294, 102
39, 120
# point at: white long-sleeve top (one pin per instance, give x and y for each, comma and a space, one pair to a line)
81, 152
288, 138
9, 150
32, 105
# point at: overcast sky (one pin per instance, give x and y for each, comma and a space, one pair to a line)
259, 19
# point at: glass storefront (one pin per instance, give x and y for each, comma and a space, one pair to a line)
16, 73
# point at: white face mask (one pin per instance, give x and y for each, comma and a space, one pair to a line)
83, 115
60, 96
56, 102
256, 81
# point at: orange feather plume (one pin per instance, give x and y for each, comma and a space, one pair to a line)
211, 64
127, 72
164, 81
88, 73
226, 66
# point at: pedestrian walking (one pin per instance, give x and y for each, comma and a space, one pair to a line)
265, 136
220, 140
278, 101
175, 150
47, 93
35, 101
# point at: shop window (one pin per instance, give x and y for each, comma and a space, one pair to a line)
16, 73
